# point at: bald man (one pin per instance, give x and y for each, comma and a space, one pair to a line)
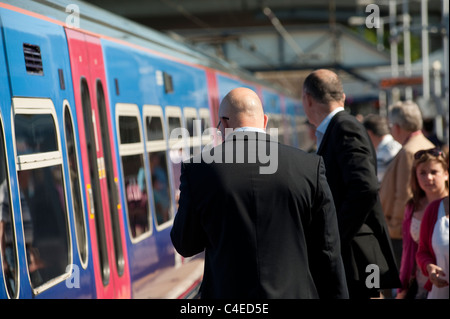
247, 111
265, 234
351, 171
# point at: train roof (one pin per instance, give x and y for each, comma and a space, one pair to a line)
106, 24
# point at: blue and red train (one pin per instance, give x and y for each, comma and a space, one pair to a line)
88, 172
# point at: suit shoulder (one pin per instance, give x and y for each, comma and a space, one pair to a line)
287, 150
347, 120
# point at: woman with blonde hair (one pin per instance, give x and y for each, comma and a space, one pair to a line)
429, 182
433, 252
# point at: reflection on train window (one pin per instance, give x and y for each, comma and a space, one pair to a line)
205, 127
174, 123
160, 186
154, 128
177, 156
204, 124
132, 156
136, 192
190, 126
159, 169
42, 193
37, 131
193, 130
8, 251
44, 222
176, 152
129, 130
75, 183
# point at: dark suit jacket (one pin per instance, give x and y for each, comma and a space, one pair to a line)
350, 162
264, 235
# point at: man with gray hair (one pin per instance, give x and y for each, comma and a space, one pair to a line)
405, 122
385, 145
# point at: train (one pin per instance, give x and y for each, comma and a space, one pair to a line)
89, 169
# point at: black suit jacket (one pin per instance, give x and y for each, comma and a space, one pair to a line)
264, 235
350, 162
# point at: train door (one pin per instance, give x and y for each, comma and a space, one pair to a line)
9, 276
106, 224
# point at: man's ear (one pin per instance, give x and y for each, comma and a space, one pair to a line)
266, 118
308, 100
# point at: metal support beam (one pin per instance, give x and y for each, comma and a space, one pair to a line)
445, 31
283, 32
425, 52
407, 47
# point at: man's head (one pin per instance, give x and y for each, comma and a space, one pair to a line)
404, 119
322, 93
241, 107
377, 127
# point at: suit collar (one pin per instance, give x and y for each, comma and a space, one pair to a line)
322, 127
328, 130
242, 135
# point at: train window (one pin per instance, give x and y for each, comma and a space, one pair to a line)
174, 123
75, 187
37, 131
113, 191
207, 136
154, 128
205, 119
133, 169
178, 148
93, 189
190, 115
8, 250
42, 193
190, 125
157, 153
194, 137
160, 186
129, 130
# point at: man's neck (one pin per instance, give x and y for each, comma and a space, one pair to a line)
408, 135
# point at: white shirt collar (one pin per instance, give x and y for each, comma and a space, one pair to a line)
385, 140
250, 129
322, 128
324, 124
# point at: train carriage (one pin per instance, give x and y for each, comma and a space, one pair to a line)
37, 112
95, 120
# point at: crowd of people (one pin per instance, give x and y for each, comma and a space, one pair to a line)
413, 186
371, 196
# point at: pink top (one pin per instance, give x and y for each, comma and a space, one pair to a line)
425, 254
408, 263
